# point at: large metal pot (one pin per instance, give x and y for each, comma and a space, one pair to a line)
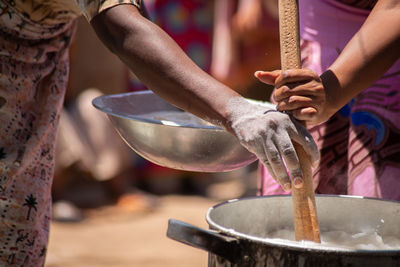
239, 232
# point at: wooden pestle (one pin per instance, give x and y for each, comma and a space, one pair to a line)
305, 215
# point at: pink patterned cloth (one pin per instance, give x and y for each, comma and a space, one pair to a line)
33, 77
359, 145
34, 40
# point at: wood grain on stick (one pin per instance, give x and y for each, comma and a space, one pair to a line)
305, 215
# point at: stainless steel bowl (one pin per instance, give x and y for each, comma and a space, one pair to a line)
190, 147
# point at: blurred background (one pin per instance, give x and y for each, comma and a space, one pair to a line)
111, 207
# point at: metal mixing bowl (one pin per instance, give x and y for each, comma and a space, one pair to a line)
190, 147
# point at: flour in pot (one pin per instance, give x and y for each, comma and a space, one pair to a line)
176, 118
367, 240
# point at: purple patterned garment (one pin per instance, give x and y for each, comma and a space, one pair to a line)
359, 145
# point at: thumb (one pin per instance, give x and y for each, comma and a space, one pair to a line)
268, 77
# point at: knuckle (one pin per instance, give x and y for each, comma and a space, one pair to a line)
290, 155
266, 163
275, 157
293, 100
296, 172
272, 124
312, 74
280, 106
288, 151
285, 90
284, 75
318, 87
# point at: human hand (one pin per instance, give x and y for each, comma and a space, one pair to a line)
300, 92
268, 134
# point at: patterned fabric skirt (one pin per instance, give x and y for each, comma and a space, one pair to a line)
359, 145
33, 77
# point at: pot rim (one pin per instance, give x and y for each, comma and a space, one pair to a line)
294, 245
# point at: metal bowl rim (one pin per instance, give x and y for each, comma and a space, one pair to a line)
293, 245
96, 102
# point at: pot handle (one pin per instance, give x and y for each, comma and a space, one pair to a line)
221, 245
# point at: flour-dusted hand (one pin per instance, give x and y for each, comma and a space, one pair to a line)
268, 134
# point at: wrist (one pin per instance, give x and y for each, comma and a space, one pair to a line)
333, 93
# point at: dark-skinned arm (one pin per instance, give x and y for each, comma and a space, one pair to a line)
161, 64
165, 69
367, 56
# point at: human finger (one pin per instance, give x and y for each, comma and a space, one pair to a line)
272, 173
305, 114
301, 136
289, 154
259, 150
267, 77
295, 102
309, 88
295, 75
277, 165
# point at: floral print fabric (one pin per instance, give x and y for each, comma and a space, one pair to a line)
92, 7
52, 12
33, 75
34, 41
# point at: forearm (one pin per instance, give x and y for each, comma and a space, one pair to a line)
368, 55
161, 65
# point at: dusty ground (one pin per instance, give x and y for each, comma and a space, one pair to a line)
111, 238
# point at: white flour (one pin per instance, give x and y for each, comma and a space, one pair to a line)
340, 239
